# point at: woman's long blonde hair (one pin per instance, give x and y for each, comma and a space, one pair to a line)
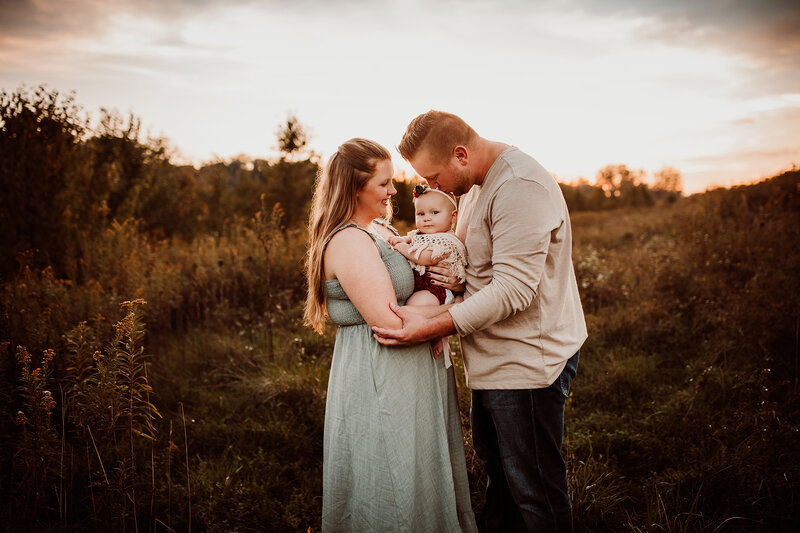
333, 205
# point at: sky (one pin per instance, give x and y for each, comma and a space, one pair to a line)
711, 88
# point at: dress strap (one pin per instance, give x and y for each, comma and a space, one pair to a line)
382, 221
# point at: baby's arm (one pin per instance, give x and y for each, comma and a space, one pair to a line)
396, 239
425, 257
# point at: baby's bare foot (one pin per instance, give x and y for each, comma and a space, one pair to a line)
437, 348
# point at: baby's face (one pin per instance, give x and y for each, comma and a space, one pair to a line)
434, 213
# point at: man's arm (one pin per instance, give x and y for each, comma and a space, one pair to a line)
416, 328
522, 218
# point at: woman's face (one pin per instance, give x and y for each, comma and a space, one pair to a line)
372, 200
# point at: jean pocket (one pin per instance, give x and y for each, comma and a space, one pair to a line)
564, 381
565, 378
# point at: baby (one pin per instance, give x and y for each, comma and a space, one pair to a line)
432, 243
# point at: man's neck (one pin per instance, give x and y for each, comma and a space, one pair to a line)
488, 152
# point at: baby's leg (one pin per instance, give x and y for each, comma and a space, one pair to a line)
427, 298
422, 298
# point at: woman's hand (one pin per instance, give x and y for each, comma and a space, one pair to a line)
443, 276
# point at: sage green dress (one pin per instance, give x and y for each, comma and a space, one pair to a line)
393, 446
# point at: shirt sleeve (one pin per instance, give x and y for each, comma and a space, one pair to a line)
522, 216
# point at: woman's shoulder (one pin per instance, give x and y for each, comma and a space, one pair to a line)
347, 246
349, 237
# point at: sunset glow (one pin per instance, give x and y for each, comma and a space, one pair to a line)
715, 95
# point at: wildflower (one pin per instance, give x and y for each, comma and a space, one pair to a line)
23, 357
21, 419
48, 403
48, 355
130, 303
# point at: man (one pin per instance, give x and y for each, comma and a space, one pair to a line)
521, 322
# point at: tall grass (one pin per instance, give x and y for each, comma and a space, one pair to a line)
686, 402
203, 409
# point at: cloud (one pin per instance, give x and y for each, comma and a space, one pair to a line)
766, 32
644, 82
762, 145
25, 20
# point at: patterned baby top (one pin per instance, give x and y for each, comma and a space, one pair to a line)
439, 244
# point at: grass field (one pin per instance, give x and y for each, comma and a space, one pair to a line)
194, 413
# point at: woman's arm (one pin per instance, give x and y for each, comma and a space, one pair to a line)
368, 286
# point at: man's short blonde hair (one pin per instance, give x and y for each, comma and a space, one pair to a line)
438, 132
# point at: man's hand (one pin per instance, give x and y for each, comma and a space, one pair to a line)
444, 277
410, 334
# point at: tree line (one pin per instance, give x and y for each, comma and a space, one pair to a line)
65, 180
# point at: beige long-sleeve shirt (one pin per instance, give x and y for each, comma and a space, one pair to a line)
521, 318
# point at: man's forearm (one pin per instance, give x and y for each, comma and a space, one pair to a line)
440, 326
416, 327
430, 311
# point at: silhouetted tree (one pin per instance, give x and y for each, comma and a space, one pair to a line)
668, 184
40, 157
291, 183
403, 201
622, 186
615, 180
668, 179
292, 138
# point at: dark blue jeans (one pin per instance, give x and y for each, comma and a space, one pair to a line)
517, 435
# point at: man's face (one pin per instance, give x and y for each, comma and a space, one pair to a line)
450, 175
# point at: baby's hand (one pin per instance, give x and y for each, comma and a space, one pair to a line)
395, 239
402, 247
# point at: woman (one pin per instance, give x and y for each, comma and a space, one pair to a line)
393, 448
